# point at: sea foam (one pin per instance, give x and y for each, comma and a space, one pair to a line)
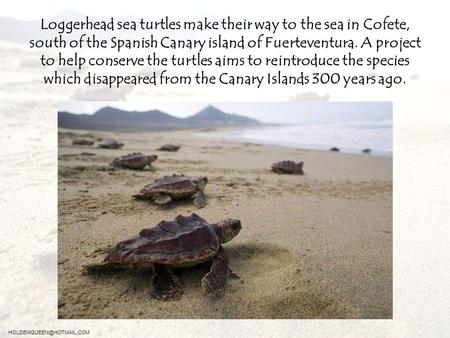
349, 137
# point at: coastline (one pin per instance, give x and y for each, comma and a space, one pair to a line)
312, 246
247, 134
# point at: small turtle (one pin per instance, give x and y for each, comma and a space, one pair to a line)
175, 187
335, 149
110, 144
367, 151
82, 142
183, 242
288, 167
169, 147
134, 161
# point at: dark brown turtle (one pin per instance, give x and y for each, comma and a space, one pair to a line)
134, 161
367, 151
110, 144
82, 142
183, 242
335, 149
288, 167
168, 188
169, 147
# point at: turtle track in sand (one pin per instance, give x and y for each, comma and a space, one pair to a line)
289, 290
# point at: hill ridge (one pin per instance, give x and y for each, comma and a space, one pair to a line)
110, 118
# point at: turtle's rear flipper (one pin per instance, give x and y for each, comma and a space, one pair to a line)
166, 285
97, 267
163, 199
140, 197
200, 199
214, 281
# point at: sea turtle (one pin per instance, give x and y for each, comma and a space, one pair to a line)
134, 161
183, 242
335, 149
82, 142
169, 147
164, 190
110, 144
288, 167
367, 151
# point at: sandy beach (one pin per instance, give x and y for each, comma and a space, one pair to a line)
312, 246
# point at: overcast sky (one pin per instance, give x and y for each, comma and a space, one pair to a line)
276, 112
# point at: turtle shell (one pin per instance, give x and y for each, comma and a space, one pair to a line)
110, 144
82, 142
169, 147
134, 161
288, 167
176, 186
182, 242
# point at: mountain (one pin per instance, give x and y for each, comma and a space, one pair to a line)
109, 118
211, 116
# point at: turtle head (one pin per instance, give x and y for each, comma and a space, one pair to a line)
227, 229
152, 158
201, 182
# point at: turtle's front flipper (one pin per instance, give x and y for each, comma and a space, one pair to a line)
232, 274
166, 285
214, 281
299, 169
163, 199
200, 199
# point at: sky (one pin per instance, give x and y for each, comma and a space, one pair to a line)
272, 112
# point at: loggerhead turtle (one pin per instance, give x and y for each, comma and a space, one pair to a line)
183, 242
288, 167
169, 147
82, 142
134, 161
168, 188
110, 144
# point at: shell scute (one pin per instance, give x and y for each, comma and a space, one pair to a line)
183, 241
170, 184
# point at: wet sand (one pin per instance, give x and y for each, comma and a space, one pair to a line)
312, 246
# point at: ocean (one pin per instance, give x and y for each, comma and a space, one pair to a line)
349, 137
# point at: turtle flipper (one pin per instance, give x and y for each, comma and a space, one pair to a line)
166, 285
106, 266
299, 169
200, 199
232, 274
213, 282
140, 197
163, 199
298, 172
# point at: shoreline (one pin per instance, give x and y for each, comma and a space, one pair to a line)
227, 134
219, 135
